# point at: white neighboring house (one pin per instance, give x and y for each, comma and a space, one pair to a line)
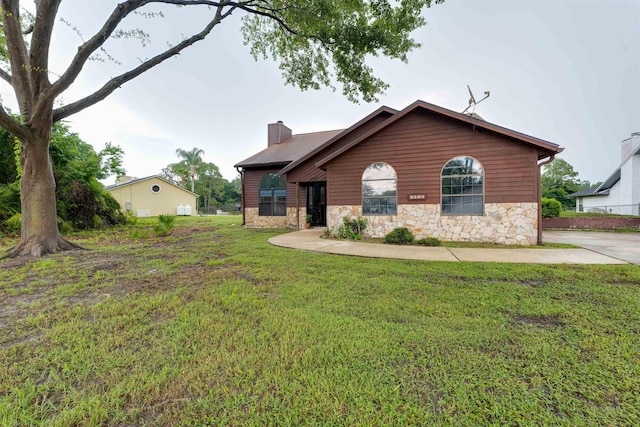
620, 192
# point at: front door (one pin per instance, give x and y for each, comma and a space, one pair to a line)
317, 203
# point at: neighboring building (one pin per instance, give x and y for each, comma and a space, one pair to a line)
152, 196
620, 192
437, 172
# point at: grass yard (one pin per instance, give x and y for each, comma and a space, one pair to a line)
213, 326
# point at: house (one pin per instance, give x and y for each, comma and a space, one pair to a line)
439, 173
152, 196
620, 192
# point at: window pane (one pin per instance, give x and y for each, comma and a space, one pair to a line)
272, 195
379, 190
462, 187
279, 209
265, 209
379, 170
366, 206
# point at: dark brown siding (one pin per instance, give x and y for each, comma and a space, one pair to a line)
308, 172
252, 179
419, 145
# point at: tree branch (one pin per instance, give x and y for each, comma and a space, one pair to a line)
18, 58
46, 11
5, 76
116, 82
85, 51
9, 124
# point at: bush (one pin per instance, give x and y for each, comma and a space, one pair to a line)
429, 241
166, 224
400, 235
551, 208
352, 228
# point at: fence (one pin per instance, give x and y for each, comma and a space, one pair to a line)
215, 210
611, 209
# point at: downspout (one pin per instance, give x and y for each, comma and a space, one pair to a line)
241, 172
297, 206
539, 191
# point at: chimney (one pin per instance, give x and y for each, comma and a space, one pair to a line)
122, 179
277, 132
630, 145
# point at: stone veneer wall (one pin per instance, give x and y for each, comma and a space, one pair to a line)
253, 220
502, 223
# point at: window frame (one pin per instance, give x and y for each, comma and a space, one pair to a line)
274, 195
369, 200
466, 201
155, 185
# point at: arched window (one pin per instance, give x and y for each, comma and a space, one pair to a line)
379, 190
272, 194
463, 187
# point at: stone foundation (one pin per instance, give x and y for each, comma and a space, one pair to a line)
502, 223
253, 220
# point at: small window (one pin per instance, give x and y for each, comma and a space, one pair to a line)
379, 190
463, 187
272, 196
155, 188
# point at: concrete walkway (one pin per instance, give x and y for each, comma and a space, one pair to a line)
309, 240
623, 246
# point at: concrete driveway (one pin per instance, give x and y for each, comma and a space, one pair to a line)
622, 246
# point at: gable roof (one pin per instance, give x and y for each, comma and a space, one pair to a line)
586, 192
547, 146
289, 150
615, 176
382, 111
146, 178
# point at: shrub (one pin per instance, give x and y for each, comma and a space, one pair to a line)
12, 224
399, 235
352, 228
130, 218
166, 224
551, 208
429, 241
65, 227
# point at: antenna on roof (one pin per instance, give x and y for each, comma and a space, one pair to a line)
472, 99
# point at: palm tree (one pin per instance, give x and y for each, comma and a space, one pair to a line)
192, 158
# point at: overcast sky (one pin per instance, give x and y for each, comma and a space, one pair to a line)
564, 71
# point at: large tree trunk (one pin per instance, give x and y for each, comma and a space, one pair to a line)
39, 234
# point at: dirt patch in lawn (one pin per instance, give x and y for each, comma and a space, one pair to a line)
112, 268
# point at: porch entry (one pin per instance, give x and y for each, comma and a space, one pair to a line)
317, 203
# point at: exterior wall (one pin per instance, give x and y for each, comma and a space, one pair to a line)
503, 223
252, 179
253, 220
635, 179
615, 202
596, 203
144, 201
626, 182
419, 145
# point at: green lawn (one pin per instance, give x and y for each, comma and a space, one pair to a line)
213, 326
